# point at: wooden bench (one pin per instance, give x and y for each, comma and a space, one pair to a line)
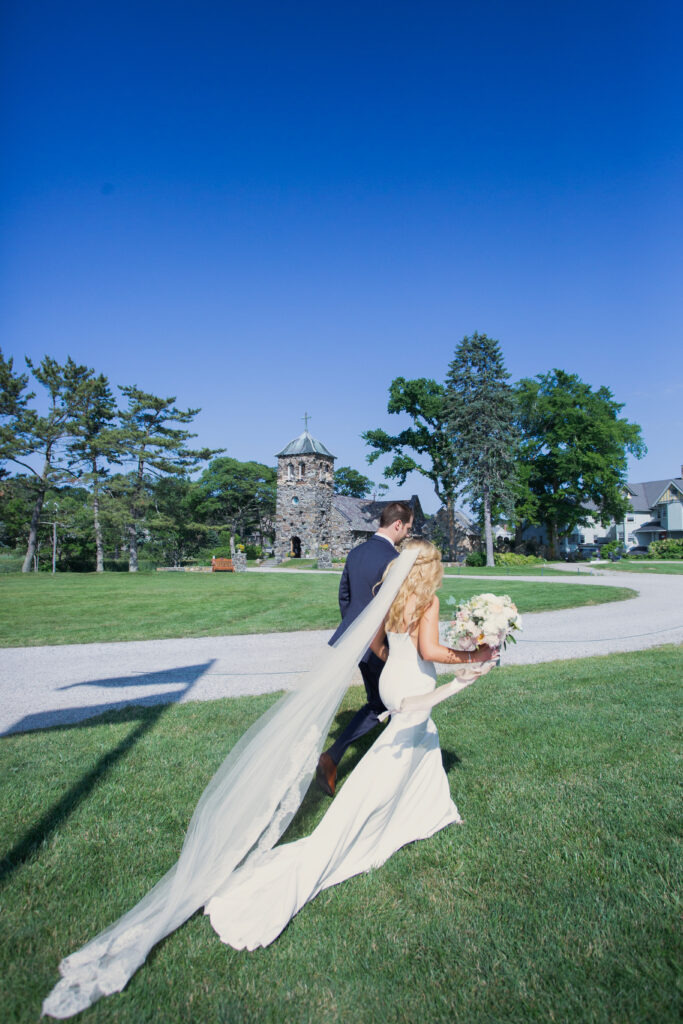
222, 565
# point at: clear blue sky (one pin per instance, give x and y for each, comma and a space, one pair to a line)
273, 208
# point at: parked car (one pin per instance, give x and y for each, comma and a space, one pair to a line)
637, 549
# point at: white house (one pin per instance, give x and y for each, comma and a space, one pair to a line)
656, 513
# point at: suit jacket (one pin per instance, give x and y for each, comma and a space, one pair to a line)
364, 568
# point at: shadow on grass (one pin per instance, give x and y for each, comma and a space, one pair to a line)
315, 803
63, 808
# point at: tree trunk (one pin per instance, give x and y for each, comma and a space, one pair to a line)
33, 531
450, 512
99, 547
553, 539
488, 532
132, 548
555, 542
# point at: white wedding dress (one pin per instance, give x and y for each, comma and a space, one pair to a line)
228, 863
396, 794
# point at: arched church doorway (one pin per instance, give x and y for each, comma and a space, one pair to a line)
296, 547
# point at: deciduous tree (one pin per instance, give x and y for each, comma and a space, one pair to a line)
573, 452
350, 482
428, 438
239, 496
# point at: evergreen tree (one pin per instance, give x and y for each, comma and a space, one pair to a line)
96, 445
25, 434
479, 404
155, 449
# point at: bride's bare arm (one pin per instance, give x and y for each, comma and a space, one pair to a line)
379, 643
432, 650
471, 665
427, 701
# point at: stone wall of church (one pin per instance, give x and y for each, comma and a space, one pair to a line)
305, 485
342, 537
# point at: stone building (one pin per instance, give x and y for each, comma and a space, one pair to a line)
354, 520
311, 521
305, 486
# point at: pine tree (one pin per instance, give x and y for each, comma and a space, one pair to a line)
480, 407
26, 435
155, 448
95, 445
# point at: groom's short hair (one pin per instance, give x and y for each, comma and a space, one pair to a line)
393, 511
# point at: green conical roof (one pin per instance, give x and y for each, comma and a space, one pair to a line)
305, 444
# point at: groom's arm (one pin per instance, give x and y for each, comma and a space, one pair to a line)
344, 591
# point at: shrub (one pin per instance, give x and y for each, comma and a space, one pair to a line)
475, 559
670, 548
254, 551
510, 558
11, 562
614, 547
116, 565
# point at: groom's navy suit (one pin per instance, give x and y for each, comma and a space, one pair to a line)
364, 568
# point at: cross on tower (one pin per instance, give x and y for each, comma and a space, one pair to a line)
306, 418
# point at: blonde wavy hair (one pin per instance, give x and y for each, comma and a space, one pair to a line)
422, 582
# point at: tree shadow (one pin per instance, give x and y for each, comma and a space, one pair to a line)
183, 679
60, 811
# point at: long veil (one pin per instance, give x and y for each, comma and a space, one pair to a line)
243, 811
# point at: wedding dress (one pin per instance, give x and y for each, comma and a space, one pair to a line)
247, 806
397, 793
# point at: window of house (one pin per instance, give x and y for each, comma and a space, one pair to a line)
290, 471
302, 470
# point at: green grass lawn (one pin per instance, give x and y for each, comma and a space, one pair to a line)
299, 563
84, 608
638, 565
557, 900
513, 570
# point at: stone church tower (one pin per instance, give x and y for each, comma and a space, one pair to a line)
305, 485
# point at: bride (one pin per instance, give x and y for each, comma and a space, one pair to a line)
396, 794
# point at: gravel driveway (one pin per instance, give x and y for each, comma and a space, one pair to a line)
42, 686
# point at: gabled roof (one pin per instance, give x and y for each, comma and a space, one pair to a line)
305, 444
644, 496
362, 514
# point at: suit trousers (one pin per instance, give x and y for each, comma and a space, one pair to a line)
368, 716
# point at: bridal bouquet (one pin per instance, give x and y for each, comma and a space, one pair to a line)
484, 619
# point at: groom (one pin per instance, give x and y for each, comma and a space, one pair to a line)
364, 568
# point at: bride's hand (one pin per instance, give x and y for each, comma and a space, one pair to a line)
469, 671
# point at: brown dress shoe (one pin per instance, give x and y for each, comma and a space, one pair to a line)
326, 774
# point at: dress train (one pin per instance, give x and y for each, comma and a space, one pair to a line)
397, 793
